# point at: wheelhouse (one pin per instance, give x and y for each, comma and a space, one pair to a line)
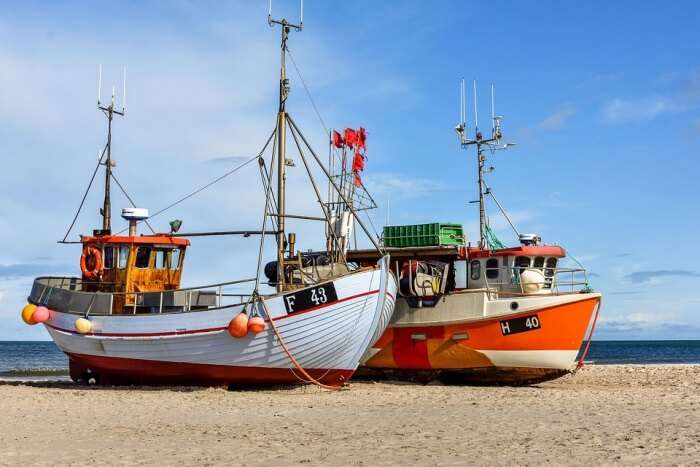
506, 267
143, 263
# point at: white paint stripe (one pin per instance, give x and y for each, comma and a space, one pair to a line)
557, 359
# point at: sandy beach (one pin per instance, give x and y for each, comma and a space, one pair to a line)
603, 414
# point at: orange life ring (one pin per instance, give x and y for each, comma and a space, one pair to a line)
96, 271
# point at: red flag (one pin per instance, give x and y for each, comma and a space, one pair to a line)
358, 163
350, 137
337, 140
361, 139
357, 180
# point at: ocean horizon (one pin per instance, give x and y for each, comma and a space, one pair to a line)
43, 358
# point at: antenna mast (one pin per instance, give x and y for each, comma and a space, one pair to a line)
492, 144
285, 27
109, 111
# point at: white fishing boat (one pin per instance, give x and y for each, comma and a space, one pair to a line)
128, 320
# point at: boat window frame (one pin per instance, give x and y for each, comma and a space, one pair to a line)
148, 258
160, 260
475, 265
550, 266
173, 254
492, 272
520, 268
123, 255
540, 266
108, 258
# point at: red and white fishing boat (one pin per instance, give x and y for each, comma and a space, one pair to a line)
484, 313
127, 320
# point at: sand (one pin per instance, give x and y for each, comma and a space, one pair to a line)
603, 414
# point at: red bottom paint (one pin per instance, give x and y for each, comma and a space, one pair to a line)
127, 371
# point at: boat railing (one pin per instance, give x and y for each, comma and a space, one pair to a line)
555, 281
74, 295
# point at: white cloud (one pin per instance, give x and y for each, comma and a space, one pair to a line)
558, 119
623, 110
683, 94
399, 186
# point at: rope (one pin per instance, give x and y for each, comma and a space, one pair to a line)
82, 202
291, 357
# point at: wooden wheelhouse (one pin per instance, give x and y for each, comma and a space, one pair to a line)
128, 265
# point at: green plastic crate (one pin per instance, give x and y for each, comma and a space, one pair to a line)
435, 234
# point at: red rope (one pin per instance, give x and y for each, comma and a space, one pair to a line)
304, 373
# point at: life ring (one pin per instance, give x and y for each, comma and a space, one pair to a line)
92, 255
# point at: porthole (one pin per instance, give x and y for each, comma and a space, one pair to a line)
513, 306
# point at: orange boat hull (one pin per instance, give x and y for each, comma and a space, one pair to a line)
478, 351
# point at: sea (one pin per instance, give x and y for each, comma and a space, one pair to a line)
44, 360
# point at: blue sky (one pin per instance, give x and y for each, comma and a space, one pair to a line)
603, 99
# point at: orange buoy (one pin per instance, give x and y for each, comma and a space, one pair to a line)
238, 327
41, 314
27, 313
256, 324
83, 325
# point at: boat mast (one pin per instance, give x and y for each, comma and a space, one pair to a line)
286, 27
493, 143
109, 112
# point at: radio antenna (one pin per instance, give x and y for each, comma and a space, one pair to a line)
284, 22
482, 144
99, 85
462, 125
476, 114
109, 111
493, 110
124, 92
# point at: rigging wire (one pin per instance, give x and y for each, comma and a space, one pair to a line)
342, 196
213, 182
129, 198
82, 202
308, 92
326, 214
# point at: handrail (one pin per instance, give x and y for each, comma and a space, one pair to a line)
551, 281
70, 294
181, 289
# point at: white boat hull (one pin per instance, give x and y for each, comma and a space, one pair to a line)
328, 340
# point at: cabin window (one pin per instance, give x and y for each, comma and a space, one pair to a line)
551, 266
143, 255
539, 262
160, 259
475, 270
175, 258
123, 256
492, 268
109, 257
522, 263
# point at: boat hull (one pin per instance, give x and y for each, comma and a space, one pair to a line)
91, 369
327, 340
480, 351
